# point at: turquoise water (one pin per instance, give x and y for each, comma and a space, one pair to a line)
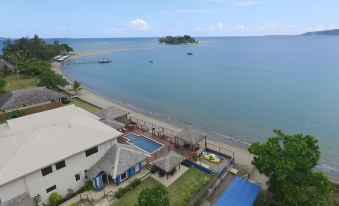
143, 143
240, 87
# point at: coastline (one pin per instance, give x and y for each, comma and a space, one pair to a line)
242, 156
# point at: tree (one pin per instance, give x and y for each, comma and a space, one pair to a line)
2, 85
156, 196
288, 162
50, 79
54, 198
76, 87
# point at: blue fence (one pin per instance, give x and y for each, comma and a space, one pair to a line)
199, 167
221, 172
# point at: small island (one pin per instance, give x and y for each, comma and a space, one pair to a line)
333, 32
186, 39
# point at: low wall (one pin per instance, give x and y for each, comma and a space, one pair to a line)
199, 167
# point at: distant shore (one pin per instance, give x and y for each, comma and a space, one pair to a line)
242, 156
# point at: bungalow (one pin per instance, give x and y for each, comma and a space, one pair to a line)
26, 98
119, 163
50, 151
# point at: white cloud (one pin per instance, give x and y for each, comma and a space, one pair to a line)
139, 25
241, 27
247, 3
320, 27
275, 27
220, 26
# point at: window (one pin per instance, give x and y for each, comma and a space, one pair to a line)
77, 177
46, 170
123, 176
50, 189
91, 151
60, 165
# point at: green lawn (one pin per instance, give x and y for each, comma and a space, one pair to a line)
180, 192
86, 106
24, 82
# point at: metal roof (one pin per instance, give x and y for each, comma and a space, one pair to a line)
32, 142
240, 192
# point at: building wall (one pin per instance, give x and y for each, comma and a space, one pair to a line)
64, 178
12, 189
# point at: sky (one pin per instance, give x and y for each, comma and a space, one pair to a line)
154, 18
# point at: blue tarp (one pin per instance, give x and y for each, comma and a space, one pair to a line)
239, 193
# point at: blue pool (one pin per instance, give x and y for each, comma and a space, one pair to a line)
144, 143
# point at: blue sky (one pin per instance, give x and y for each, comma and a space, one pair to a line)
147, 18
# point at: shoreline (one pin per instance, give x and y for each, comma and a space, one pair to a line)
242, 156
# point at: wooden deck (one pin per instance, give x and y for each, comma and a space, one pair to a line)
168, 143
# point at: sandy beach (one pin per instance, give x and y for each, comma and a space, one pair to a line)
242, 156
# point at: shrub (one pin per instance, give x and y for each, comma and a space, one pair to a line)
88, 186
135, 183
154, 169
156, 196
15, 114
119, 193
74, 204
54, 198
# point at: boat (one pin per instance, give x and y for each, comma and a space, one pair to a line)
104, 60
189, 53
151, 61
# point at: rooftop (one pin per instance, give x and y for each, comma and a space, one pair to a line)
169, 161
29, 96
190, 136
117, 160
112, 113
35, 141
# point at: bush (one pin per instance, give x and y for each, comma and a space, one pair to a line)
88, 186
54, 198
123, 190
156, 196
135, 183
74, 204
154, 169
15, 114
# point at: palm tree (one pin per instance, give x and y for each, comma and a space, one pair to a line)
76, 87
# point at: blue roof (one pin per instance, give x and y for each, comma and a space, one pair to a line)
239, 193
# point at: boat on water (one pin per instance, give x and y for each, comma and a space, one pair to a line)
151, 61
189, 53
104, 60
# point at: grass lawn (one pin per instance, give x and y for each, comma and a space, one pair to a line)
180, 192
24, 82
86, 106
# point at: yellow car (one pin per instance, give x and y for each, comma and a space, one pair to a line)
212, 157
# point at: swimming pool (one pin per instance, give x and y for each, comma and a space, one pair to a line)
144, 143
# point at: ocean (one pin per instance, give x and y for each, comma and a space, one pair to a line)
239, 88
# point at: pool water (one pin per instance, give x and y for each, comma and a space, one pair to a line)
144, 143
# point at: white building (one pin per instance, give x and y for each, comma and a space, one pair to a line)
50, 151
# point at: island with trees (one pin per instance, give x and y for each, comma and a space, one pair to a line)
186, 39
333, 32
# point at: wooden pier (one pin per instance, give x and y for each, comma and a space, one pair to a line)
84, 60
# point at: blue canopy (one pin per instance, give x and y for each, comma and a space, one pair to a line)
239, 193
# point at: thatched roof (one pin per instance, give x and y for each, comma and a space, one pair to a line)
29, 96
118, 159
113, 123
190, 136
20, 200
112, 113
169, 161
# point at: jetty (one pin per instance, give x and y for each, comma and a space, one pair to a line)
87, 61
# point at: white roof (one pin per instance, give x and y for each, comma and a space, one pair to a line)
35, 141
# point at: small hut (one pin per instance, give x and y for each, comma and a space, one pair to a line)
113, 113
191, 137
169, 162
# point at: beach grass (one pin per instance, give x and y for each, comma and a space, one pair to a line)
179, 193
24, 82
86, 106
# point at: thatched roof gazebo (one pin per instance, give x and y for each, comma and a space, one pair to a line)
190, 136
112, 113
169, 162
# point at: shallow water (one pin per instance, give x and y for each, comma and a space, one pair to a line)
243, 87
